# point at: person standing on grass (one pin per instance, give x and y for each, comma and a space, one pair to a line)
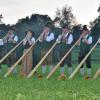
46, 41
27, 61
85, 46
65, 41
1, 46
10, 41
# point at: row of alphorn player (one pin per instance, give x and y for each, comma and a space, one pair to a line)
39, 52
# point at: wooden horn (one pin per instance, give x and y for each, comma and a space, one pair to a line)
10, 52
13, 67
97, 74
41, 61
79, 66
4, 36
56, 67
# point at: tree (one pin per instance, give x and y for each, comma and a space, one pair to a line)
1, 18
99, 9
95, 31
65, 16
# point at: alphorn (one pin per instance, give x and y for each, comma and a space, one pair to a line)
10, 52
41, 61
13, 67
79, 66
4, 37
97, 74
56, 67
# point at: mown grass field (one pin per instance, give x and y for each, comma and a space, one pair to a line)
17, 88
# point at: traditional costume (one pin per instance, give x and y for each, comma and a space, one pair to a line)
65, 40
85, 46
27, 62
46, 41
11, 41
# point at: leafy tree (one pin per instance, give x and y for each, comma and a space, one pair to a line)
96, 27
65, 16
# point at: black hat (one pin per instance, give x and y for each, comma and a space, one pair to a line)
49, 25
31, 32
65, 26
85, 27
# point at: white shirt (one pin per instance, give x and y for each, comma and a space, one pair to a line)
69, 41
99, 40
15, 38
32, 41
1, 42
50, 37
89, 39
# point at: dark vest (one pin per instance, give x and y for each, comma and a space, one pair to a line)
84, 48
27, 45
46, 45
10, 45
63, 46
1, 48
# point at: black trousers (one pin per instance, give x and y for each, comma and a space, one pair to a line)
11, 59
36, 58
35, 61
67, 59
88, 60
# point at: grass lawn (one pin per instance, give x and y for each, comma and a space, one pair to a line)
17, 88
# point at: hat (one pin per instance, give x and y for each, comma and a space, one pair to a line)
65, 26
31, 32
49, 25
85, 27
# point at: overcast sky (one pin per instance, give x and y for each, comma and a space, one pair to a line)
12, 10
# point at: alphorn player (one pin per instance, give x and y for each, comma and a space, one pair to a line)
46, 41
1, 46
27, 62
10, 41
65, 40
85, 46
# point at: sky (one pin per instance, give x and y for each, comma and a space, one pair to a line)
12, 10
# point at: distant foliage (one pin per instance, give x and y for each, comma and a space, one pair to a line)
96, 27
65, 16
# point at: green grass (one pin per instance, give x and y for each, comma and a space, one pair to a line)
17, 88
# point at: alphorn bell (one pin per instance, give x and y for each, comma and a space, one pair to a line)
79, 66
97, 74
13, 67
41, 61
57, 66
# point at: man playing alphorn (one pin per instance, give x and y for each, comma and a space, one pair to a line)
85, 46
46, 42
65, 40
11, 40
